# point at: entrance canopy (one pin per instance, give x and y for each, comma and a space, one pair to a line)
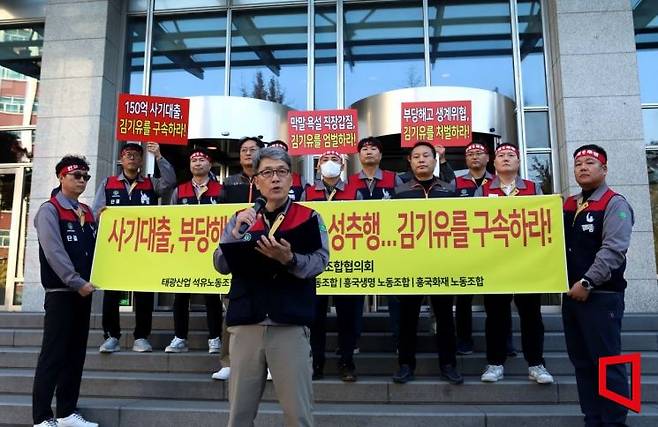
232, 117
493, 113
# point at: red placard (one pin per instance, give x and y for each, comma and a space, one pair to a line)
314, 132
152, 118
446, 123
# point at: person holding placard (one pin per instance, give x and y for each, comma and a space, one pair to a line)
425, 185
598, 224
66, 231
508, 183
202, 189
131, 188
349, 308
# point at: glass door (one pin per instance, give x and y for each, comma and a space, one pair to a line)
14, 198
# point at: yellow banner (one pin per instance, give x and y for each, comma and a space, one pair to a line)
439, 246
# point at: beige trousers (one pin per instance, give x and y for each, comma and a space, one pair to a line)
286, 351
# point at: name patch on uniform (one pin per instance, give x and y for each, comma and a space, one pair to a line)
588, 227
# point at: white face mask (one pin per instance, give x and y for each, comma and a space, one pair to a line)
330, 169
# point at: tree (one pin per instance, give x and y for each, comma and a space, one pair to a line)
543, 171
413, 79
272, 92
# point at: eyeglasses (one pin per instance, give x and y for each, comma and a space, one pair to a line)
132, 156
269, 173
79, 175
248, 150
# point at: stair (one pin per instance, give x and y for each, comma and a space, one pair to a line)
159, 389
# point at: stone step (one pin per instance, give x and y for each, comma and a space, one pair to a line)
369, 341
373, 322
513, 389
383, 364
15, 410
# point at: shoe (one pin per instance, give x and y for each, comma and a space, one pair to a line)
111, 345
214, 345
74, 420
404, 375
464, 347
177, 345
142, 345
347, 373
222, 375
269, 375
318, 373
492, 374
450, 374
48, 423
540, 375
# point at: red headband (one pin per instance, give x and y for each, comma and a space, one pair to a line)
72, 168
199, 154
332, 152
591, 153
279, 145
476, 146
510, 148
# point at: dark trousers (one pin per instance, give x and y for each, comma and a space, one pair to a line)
319, 331
349, 314
349, 309
445, 328
394, 318
464, 318
499, 324
143, 303
214, 315
62, 357
592, 329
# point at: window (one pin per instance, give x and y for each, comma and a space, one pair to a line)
471, 45
268, 55
383, 48
326, 85
189, 55
645, 17
20, 66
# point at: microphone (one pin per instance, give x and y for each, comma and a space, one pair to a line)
259, 205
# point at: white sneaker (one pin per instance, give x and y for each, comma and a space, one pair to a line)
269, 375
48, 423
222, 375
492, 373
177, 345
142, 345
74, 420
540, 375
111, 345
214, 345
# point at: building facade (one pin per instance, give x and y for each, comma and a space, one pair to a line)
563, 73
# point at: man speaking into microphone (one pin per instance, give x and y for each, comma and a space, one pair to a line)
273, 257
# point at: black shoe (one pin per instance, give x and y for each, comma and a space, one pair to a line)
450, 374
318, 373
464, 347
347, 373
404, 375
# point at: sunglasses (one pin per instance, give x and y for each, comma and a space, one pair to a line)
80, 175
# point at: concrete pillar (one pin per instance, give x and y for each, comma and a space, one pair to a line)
80, 74
597, 100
